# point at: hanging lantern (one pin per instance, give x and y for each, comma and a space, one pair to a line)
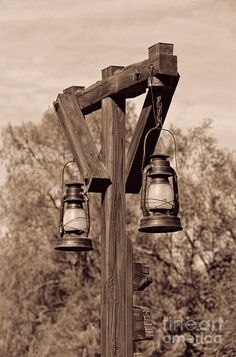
74, 220
159, 199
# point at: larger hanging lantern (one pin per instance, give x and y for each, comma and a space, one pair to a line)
74, 220
159, 199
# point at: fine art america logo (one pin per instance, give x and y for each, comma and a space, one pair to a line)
193, 331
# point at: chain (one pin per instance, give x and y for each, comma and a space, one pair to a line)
158, 118
157, 113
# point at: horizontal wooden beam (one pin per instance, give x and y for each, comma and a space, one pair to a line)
81, 142
146, 121
129, 81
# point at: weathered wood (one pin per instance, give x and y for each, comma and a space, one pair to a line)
110, 71
141, 278
129, 296
142, 325
116, 316
128, 81
160, 48
145, 123
122, 324
81, 143
73, 89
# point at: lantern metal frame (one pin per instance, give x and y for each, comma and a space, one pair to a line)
74, 240
159, 220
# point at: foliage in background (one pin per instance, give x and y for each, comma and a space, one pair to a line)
50, 301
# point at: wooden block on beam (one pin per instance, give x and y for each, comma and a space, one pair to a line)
110, 71
81, 143
73, 89
160, 48
142, 325
141, 278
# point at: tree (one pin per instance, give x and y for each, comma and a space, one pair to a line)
39, 283
192, 265
50, 303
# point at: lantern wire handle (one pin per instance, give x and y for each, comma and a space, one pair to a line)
63, 173
63, 180
61, 226
158, 121
85, 193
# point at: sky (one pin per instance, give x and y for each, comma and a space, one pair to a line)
47, 46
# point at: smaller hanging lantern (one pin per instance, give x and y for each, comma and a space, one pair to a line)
74, 220
159, 201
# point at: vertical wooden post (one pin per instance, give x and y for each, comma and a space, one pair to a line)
116, 249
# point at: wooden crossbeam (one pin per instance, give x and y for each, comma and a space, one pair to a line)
145, 123
130, 81
81, 142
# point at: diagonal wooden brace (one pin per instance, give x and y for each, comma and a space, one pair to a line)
81, 143
145, 123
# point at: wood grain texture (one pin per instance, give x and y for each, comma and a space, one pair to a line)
130, 81
145, 123
160, 48
116, 249
121, 322
81, 143
73, 89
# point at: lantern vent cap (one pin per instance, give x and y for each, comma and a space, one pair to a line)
74, 191
74, 183
160, 165
159, 156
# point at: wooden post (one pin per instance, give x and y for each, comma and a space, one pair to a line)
121, 322
117, 334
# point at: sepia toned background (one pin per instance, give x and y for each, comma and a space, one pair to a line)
50, 301
47, 46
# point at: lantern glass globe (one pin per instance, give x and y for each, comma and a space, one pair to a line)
74, 218
160, 195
